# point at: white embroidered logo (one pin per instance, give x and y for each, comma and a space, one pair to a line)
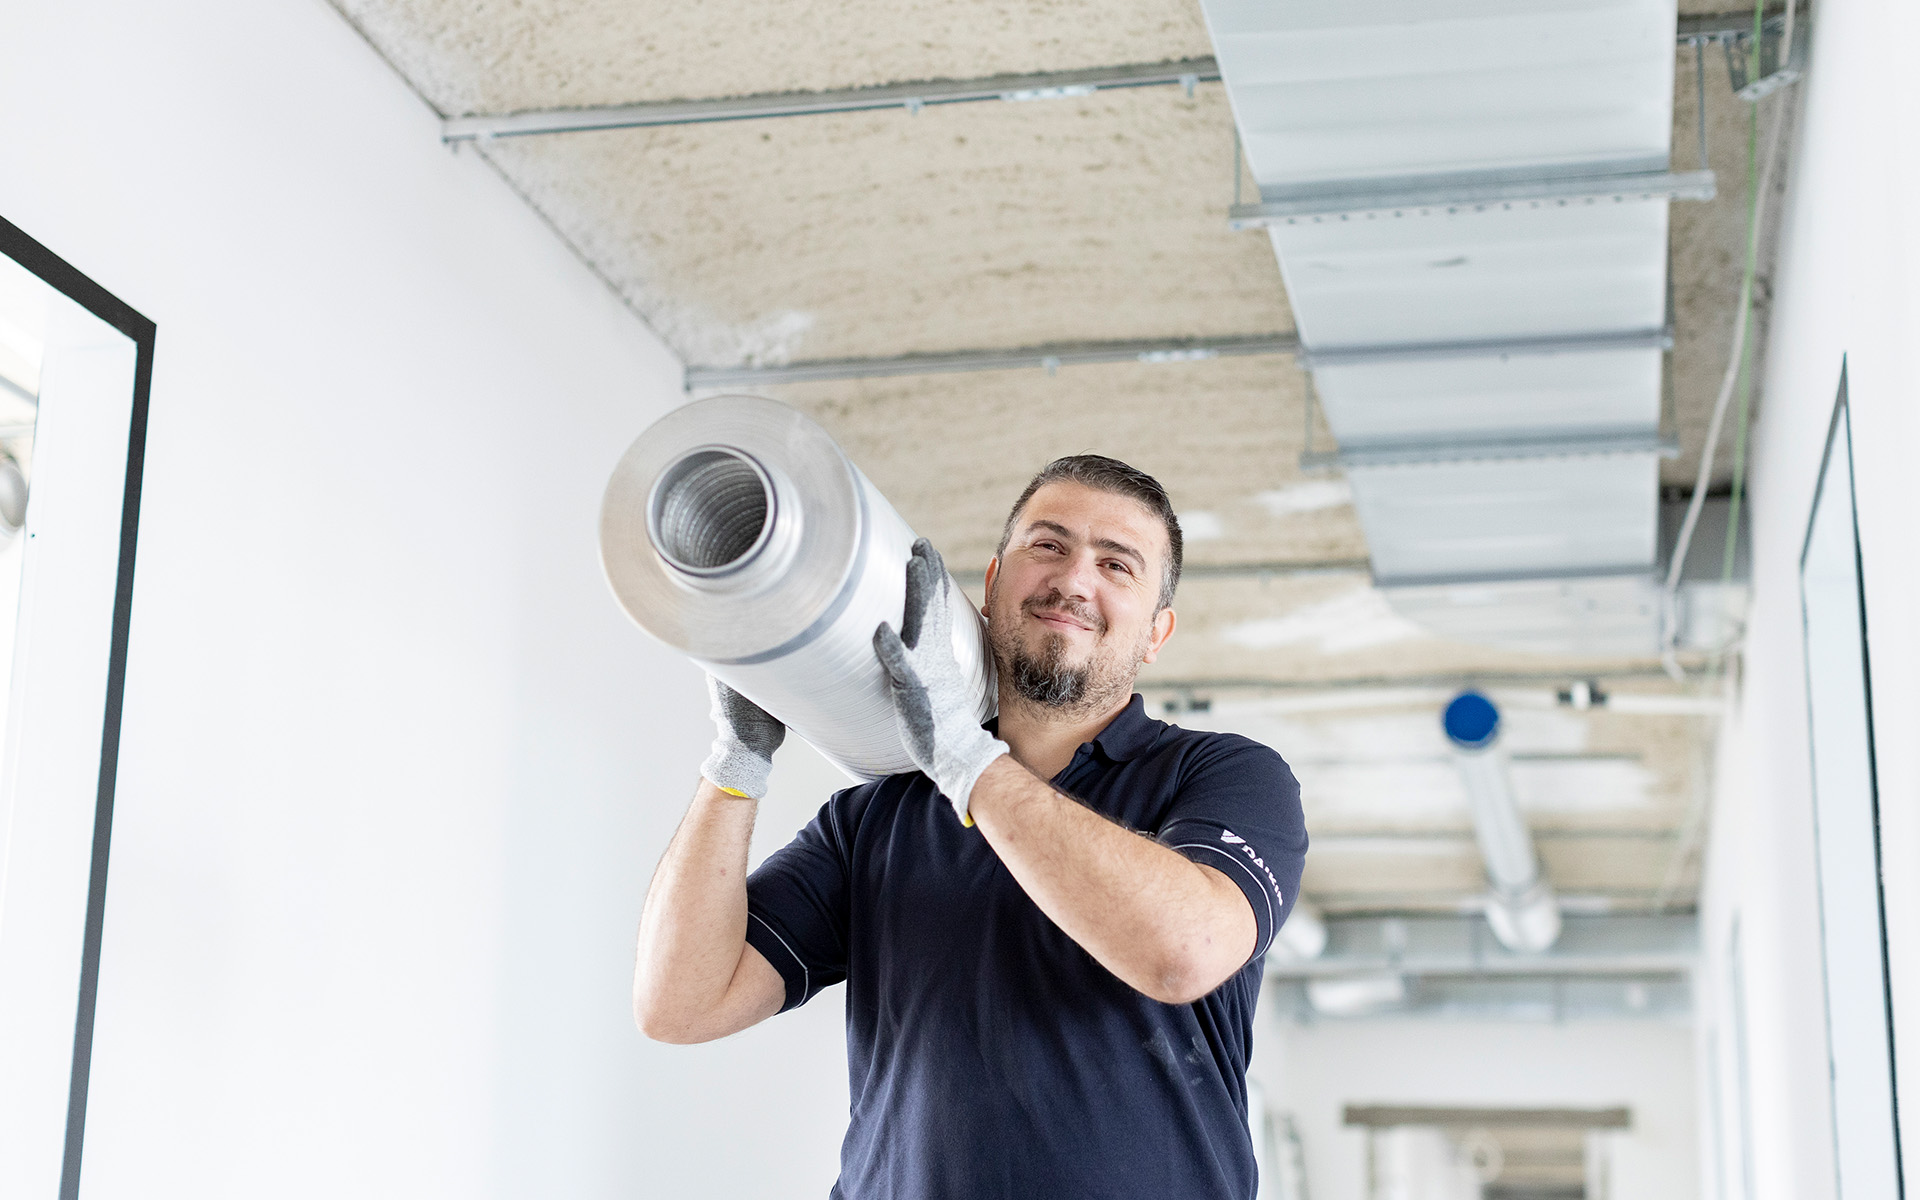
1231, 838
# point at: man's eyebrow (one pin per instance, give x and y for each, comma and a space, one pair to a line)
1107, 544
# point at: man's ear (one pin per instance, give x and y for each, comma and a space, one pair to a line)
1163, 623
993, 570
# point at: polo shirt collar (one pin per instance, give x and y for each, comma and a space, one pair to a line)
1130, 733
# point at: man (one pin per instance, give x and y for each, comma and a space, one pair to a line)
1051, 934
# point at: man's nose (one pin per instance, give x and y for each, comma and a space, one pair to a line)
1077, 577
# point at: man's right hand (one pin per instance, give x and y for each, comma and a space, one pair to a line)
743, 749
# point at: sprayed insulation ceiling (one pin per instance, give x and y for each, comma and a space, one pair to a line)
509, 55
882, 233
1087, 218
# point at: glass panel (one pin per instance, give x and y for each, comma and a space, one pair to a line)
1846, 821
67, 395
24, 301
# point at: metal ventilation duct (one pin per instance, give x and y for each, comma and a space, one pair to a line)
737, 532
1521, 907
1469, 202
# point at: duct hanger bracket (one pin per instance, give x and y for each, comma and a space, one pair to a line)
1755, 72
1453, 195
1403, 454
1314, 358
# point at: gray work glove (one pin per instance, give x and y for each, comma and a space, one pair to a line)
935, 705
742, 755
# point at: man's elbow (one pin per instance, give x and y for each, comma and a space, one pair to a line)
660, 1024
1183, 977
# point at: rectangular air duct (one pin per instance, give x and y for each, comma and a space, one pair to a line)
1484, 185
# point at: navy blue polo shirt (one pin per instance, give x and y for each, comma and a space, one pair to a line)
988, 1054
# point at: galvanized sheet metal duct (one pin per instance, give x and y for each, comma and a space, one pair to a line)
736, 531
1344, 106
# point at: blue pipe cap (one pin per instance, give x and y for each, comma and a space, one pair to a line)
1471, 721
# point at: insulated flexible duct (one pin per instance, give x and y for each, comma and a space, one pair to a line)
1522, 909
736, 531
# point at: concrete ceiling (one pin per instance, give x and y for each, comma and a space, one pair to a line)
495, 56
884, 233
1089, 218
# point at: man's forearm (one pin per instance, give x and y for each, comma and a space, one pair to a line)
693, 928
1168, 927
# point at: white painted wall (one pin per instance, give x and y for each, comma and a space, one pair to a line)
1848, 285
1315, 1071
396, 769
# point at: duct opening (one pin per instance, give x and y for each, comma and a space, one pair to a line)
711, 511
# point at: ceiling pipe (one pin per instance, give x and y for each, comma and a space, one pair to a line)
13, 502
1521, 906
1304, 935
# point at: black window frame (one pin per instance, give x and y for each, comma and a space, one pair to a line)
70, 282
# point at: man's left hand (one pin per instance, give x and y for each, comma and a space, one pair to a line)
936, 707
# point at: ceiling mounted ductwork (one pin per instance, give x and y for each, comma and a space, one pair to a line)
1521, 907
1469, 203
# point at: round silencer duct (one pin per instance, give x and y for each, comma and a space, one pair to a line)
736, 531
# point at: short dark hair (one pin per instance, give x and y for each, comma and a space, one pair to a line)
1109, 475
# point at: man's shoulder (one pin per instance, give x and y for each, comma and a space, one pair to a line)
1214, 748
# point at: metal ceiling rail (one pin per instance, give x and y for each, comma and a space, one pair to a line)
1420, 197
1452, 680
1493, 450
1045, 85
1450, 900
1048, 357
1581, 574
1169, 350
1543, 999
1720, 27
1245, 570
1385, 1116
1444, 838
1462, 945
1578, 343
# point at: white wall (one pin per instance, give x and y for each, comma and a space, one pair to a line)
396, 769
1848, 285
1314, 1071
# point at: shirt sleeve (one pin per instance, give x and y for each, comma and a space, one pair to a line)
797, 906
1238, 810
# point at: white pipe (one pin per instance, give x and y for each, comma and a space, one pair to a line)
1304, 935
1521, 907
737, 532
13, 497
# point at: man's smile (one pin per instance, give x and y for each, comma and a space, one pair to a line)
1060, 620
1065, 616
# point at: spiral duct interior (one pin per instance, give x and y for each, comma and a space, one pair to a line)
736, 531
710, 511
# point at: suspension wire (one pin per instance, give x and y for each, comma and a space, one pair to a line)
1743, 388
1758, 183
1700, 96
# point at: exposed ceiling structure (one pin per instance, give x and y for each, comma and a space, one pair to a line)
1076, 216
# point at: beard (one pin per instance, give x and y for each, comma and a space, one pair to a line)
1043, 676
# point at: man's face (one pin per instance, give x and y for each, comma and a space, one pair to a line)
1073, 603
